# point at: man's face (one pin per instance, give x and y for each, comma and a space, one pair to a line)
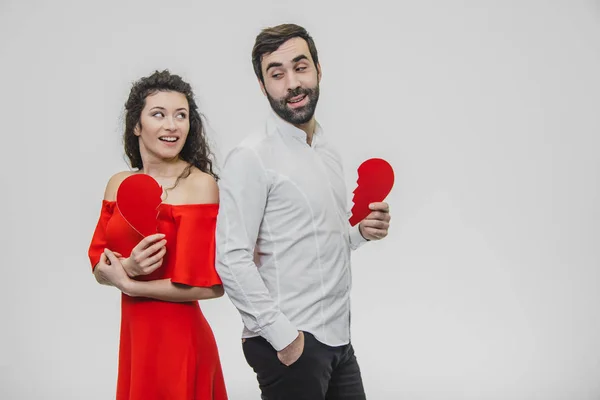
291, 81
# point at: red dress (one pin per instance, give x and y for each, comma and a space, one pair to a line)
167, 350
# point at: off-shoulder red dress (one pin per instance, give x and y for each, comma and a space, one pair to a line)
167, 350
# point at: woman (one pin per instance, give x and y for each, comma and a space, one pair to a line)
167, 349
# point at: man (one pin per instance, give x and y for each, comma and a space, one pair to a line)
283, 236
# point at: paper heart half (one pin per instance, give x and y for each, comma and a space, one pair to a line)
138, 199
375, 181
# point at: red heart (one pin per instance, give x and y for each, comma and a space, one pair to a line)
138, 198
375, 181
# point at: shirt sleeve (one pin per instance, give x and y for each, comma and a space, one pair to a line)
243, 190
195, 245
99, 240
355, 238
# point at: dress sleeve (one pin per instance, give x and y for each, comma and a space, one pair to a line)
99, 239
195, 245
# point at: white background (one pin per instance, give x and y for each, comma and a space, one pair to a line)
488, 284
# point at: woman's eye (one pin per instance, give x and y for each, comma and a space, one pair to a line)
158, 114
181, 116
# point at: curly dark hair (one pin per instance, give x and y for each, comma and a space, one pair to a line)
195, 151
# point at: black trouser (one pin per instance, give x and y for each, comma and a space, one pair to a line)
321, 373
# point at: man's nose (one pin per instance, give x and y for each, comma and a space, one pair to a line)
292, 82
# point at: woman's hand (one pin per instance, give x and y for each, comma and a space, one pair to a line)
110, 271
146, 257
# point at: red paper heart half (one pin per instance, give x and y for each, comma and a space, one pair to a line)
138, 198
375, 181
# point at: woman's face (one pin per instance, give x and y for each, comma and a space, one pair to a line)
164, 125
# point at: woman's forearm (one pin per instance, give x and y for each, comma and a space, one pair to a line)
166, 290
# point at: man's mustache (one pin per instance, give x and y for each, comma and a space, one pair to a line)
297, 92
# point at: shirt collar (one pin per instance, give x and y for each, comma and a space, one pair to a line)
289, 130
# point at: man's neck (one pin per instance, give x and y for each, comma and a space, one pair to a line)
308, 128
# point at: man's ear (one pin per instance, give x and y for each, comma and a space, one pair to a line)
319, 75
262, 86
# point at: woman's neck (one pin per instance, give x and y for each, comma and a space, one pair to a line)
162, 168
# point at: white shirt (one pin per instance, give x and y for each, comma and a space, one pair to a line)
283, 236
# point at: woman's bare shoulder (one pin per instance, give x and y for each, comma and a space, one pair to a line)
113, 184
201, 188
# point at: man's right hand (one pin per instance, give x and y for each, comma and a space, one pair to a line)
293, 351
146, 257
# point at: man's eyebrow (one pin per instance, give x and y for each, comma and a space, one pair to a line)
273, 65
278, 64
300, 57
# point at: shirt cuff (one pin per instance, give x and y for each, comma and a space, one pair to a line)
280, 333
356, 239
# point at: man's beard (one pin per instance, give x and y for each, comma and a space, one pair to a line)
296, 116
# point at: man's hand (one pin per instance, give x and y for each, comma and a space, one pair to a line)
375, 226
293, 351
